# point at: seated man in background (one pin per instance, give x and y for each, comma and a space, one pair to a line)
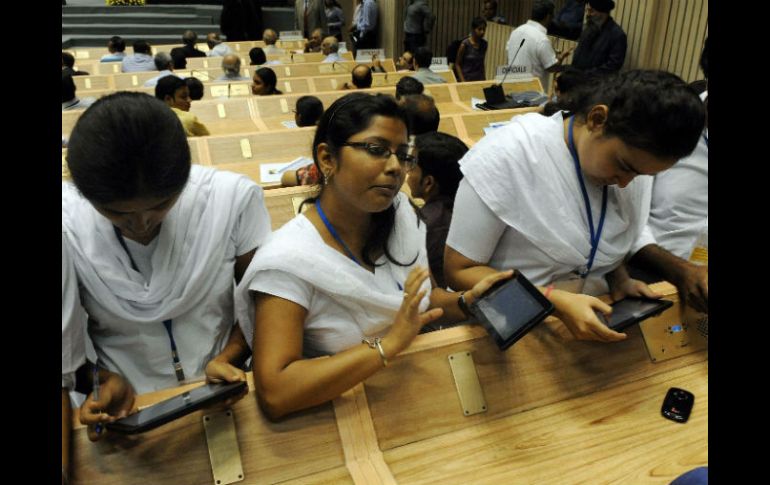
68, 99
361, 78
195, 86
422, 60
140, 60
330, 47
422, 112
175, 93
231, 65
313, 44
271, 37
163, 63
68, 65
189, 39
408, 85
257, 56
117, 48
217, 48
435, 180
308, 111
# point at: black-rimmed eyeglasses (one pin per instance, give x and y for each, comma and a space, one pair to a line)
405, 158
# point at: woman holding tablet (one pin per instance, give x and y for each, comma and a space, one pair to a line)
349, 277
157, 246
558, 197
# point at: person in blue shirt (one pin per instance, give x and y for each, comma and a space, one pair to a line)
117, 48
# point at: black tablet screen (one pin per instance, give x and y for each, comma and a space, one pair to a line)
631, 310
509, 309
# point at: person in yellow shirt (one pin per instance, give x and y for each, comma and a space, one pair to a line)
174, 92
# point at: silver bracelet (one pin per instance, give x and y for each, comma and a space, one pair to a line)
376, 344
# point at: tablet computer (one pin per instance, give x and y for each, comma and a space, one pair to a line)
510, 309
629, 311
176, 407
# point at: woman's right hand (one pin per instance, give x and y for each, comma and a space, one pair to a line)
116, 400
578, 312
409, 320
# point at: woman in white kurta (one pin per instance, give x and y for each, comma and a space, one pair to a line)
157, 246
558, 199
353, 267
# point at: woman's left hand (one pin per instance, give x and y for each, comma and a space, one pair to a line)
632, 287
486, 283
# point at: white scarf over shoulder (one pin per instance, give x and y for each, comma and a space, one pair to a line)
191, 246
525, 174
332, 273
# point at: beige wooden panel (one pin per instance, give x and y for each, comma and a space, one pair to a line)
107, 68
615, 435
281, 202
87, 53
497, 36
474, 123
202, 63
540, 369
332, 82
68, 120
225, 116
445, 99
176, 453
296, 85
272, 110
224, 90
448, 124
245, 154
129, 80
195, 151
335, 476
98, 93
87, 83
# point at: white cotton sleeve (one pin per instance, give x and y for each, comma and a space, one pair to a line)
547, 56
475, 230
253, 224
283, 285
73, 321
645, 238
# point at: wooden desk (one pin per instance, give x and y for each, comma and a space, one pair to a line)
558, 412
226, 116
229, 152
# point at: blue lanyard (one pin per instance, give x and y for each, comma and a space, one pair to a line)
166, 323
595, 236
706, 139
337, 238
334, 234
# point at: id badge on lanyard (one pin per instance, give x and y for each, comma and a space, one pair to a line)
575, 281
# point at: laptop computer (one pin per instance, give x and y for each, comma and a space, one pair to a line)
497, 99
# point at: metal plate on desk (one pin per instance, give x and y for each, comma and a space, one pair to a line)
467, 383
222, 442
675, 333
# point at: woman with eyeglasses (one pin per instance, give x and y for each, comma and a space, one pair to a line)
349, 277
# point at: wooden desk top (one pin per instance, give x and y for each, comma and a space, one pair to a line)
558, 412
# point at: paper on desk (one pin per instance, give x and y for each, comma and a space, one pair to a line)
271, 172
475, 101
493, 125
289, 124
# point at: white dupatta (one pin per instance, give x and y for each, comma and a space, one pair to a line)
306, 256
191, 246
525, 174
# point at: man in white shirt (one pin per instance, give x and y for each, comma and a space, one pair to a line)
535, 53
165, 64
271, 37
330, 47
216, 47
